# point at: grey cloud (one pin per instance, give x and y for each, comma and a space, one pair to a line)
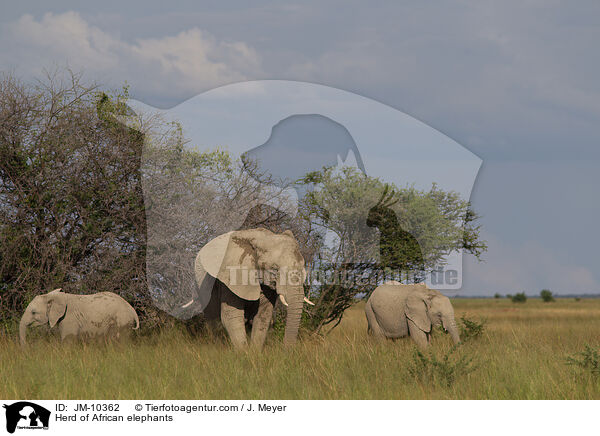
176, 65
515, 82
540, 219
509, 80
525, 267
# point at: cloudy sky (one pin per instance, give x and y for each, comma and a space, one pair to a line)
515, 82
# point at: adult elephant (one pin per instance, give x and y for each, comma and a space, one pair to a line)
103, 315
395, 310
242, 273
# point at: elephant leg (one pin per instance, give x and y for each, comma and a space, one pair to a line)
212, 324
68, 331
420, 337
262, 320
232, 317
373, 326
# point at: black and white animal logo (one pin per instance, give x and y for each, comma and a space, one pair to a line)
26, 415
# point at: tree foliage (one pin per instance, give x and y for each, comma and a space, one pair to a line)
519, 297
547, 296
71, 208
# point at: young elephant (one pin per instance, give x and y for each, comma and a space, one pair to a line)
80, 316
395, 310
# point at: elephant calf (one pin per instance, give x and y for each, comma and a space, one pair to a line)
395, 310
103, 315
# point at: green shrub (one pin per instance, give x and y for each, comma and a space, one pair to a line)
519, 298
471, 329
497, 295
9, 327
547, 296
430, 369
588, 360
279, 318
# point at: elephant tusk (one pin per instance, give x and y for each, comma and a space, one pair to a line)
282, 299
307, 301
188, 304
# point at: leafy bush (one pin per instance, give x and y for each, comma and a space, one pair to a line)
587, 360
471, 329
9, 327
547, 296
497, 295
279, 318
509, 296
519, 298
428, 368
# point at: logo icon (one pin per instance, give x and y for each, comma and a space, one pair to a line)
26, 415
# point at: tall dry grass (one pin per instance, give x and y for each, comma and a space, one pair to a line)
521, 355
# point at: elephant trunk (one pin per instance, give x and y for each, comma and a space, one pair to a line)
25, 322
450, 326
295, 300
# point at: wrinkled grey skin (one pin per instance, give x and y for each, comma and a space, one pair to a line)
80, 316
395, 310
258, 249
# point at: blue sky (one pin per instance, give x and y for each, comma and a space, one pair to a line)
514, 82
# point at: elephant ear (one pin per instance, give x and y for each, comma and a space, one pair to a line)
57, 306
231, 259
417, 311
210, 257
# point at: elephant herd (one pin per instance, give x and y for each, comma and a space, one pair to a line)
240, 277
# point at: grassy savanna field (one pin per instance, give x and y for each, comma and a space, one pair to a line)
520, 355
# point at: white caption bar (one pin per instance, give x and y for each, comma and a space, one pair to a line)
300, 417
